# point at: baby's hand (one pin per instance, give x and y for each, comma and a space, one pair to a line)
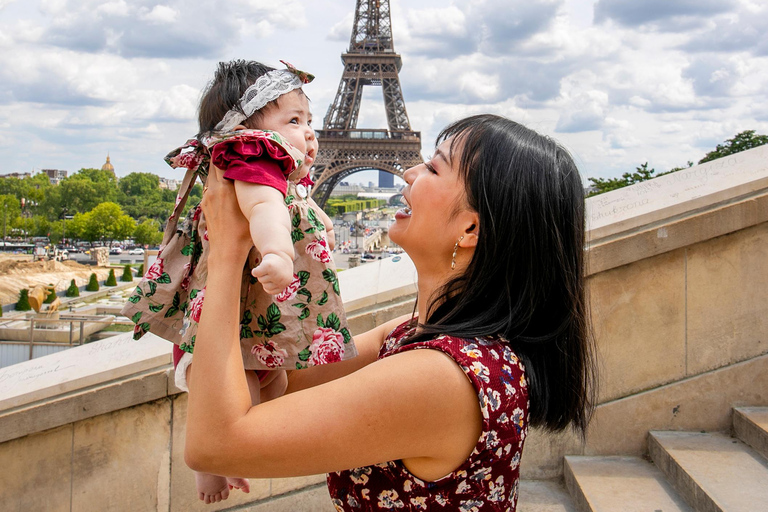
275, 273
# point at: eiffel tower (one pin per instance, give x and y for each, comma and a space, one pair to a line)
344, 149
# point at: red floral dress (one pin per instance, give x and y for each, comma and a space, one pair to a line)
488, 479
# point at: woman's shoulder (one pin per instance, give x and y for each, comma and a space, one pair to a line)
494, 348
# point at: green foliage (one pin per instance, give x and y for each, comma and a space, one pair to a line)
23, 302
105, 222
601, 185
86, 189
111, 280
148, 233
740, 142
10, 208
73, 290
127, 274
140, 184
93, 284
341, 205
51, 295
140, 272
140, 196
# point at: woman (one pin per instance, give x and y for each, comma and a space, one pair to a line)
434, 413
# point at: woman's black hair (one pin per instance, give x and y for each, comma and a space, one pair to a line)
225, 90
526, 279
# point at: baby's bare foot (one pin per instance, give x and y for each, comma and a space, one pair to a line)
239, 483
211, 488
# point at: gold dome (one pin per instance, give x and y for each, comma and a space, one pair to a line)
108, 166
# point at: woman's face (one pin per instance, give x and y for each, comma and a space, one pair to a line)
427, 229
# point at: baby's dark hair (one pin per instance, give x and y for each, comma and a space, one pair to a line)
225, 90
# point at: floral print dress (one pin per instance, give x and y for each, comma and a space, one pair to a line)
488, 479
302, 326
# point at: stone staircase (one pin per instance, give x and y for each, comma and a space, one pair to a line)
707, 472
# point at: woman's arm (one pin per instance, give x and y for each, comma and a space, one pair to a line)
417, 406
270, 228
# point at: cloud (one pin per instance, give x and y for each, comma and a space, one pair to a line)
504, 23
743, 31
493, 27
342, 30
664, 13
712, 76
586, 111
178, 29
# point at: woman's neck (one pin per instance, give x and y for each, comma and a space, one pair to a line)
429, 283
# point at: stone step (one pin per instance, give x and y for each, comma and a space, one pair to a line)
544, 496
750, 424
713, 472
627, 484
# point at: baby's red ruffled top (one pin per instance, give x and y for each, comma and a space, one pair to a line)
254, 159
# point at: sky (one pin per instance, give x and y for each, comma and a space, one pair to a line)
617, 82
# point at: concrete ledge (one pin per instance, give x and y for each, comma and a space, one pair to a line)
670, 234
88, 403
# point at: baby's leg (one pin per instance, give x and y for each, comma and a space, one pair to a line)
215, 488
273, 385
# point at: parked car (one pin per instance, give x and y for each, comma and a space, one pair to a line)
138, 251
115, 250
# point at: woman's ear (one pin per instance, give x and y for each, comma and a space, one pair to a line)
471, 229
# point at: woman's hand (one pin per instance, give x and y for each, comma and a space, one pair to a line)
228, 233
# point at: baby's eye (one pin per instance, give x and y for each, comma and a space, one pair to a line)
295, 120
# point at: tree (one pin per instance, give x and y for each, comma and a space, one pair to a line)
140, 184
740, 142
106, 222
23, 303
127, 274
87, 188
111, 279
73, 290
601, 185
148, 233
51, 295
93, 284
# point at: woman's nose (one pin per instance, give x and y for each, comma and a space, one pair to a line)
409, 174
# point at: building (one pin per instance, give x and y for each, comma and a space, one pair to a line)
18, 175
109, 167
386, 180
169, 184
55, 175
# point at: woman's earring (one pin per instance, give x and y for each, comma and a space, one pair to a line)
455, 250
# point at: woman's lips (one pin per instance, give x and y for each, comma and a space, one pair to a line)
403, 213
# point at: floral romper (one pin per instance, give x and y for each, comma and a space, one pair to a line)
304, 325
488, 478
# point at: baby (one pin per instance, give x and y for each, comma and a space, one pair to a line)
255, 125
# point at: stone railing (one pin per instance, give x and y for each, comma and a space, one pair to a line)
678, 277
